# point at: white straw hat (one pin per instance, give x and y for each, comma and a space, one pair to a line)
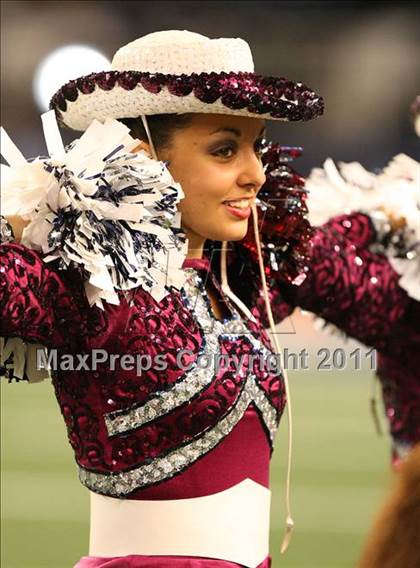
178, 71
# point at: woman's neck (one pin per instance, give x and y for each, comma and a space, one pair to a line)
195, 245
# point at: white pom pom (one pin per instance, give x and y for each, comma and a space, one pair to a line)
392, 195
112, 212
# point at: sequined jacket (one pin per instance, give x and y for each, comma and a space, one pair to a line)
131, 432
185, 432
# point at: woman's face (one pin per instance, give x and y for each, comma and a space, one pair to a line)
216, 159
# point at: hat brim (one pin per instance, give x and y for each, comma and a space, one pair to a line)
129, 94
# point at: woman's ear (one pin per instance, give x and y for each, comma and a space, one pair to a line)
142, 146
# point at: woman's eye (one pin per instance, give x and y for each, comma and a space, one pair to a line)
228, 151
224, 152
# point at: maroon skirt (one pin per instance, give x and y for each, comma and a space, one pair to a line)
137, 561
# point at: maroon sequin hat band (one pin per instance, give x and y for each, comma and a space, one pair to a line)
247, 93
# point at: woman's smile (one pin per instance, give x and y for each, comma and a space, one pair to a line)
240, 208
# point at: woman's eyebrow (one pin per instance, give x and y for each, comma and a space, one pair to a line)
235, 131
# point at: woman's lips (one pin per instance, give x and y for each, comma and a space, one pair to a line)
239, 212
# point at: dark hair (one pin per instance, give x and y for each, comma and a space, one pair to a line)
161, 126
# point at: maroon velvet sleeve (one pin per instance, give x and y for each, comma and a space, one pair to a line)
400, 382
38, 304
351, 287
358, 290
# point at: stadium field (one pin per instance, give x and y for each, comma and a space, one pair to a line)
340, 475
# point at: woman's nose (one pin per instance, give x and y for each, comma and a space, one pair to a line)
252, 174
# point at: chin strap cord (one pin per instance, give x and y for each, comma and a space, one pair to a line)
149, 137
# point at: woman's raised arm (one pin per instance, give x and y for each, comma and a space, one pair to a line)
37, 303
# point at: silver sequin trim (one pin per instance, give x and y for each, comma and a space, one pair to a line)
195, 379
124, 483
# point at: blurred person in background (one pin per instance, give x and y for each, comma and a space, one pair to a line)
393, 541
390, 198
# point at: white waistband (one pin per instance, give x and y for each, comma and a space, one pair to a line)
230, 525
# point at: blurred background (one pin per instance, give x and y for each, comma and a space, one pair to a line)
361, 56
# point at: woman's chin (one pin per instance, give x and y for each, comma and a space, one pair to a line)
236, 233
238, 236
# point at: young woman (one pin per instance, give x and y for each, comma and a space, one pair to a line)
143, 245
